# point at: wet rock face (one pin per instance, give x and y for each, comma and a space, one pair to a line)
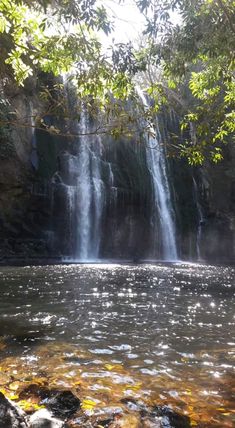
216, 184
10, 415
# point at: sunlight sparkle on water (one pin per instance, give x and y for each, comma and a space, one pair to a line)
153, 329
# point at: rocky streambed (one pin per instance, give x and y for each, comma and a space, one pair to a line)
61, 409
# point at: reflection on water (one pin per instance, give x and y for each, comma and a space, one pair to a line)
161, 333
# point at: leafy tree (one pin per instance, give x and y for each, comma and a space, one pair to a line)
40, 37
198, 53
62, 37
189, 60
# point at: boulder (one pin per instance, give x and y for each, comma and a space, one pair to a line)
43, 419
63, 404
11, 416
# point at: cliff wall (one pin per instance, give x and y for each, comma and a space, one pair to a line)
24, 204
216, 185
33, 210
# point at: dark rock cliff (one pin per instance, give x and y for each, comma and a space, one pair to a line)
216, 184
33, 213
24, 196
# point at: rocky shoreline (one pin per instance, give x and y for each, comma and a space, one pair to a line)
63, 409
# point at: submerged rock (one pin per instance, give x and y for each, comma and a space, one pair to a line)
36, 391
142, 416
126, 421
149, 422
43, 419
63, 409
105, 423
11, 416
170, 418
133, 405
63, 404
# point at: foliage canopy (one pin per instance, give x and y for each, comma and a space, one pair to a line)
190, 43
197, 58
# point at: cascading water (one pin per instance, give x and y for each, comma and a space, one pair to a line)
84, 193
98, 195
162, 209
34, 154
90, 197
200, 221
105, 189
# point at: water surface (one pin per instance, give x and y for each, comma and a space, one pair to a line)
159, 333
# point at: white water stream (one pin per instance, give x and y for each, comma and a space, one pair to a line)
90, 194
87, 196
163, 209
200, 220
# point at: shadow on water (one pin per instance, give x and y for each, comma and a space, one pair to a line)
14, 336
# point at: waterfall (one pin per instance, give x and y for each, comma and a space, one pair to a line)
90, 193
80, 179
110, 175
34, 154
112, 189
201, 220
98, 195
163, 209
84, 194
102, 202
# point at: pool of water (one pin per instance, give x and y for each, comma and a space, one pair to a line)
159, 333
